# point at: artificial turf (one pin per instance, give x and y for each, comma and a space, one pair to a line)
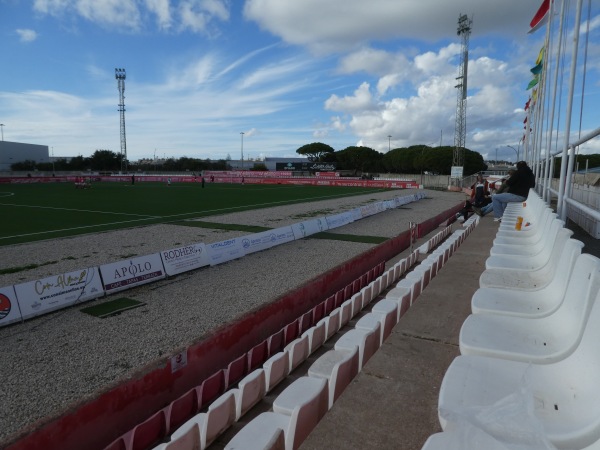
39, 211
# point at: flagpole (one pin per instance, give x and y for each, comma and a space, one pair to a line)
549, 166
564, 175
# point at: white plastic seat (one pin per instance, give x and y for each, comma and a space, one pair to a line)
357, 300
277, 367
385, 280
345, 313
251, 389
297, 351
527, 234
220, 415
402, 296
566, 394
367, 342
375, 287
432, 261
297, 410
544, 340
526, 249
424, 271
471, 439
188, 440
338, 367
530, 262
388, 310
302, 391
530, 303
367, 295
333, 322
522, 277
371, 322
316, 336
400, 268
414, 280
261, 434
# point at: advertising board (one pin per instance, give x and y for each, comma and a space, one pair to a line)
9, 307
128, 273
267, 239
223, 251
183, 259
58, 291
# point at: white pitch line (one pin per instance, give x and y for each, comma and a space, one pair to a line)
261, 204
74, 228
82, 210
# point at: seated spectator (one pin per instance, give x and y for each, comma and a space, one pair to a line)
480, 196
518, 186
503, 187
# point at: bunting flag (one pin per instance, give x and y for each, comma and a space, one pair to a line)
534, 82
536, 70
540, 57
527, 104
541, 17
539, 62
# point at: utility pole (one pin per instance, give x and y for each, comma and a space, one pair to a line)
242, 134
120, 76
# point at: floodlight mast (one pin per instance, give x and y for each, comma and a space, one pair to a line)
120, 76
460, 129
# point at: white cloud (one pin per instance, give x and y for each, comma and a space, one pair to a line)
343, 24
373, 61
272, 72
162, 10
362, 100
129, 15
26, 35
427, 109
197, 14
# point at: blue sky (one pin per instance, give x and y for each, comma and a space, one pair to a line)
286, 73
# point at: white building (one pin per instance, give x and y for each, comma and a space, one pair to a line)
14, 152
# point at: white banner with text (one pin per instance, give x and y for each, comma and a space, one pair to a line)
339, 220
308, 227
58, 291
267, 239
220, 252
183, 259
132, 272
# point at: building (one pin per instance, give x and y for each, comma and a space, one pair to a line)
14, 152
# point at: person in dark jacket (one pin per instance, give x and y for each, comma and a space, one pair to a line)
518, 186
480, 196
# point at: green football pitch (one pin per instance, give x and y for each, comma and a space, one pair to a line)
39, 211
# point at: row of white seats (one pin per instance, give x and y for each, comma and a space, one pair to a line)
298, 409
339, 366
529, 367
202, 429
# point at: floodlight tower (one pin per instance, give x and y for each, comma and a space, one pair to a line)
460, 128
120, 76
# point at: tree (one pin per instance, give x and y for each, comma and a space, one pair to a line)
315, 151
422, 158
28, 164
259, 166
105, 160
359, 159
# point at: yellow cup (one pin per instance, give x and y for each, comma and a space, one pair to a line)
519, 223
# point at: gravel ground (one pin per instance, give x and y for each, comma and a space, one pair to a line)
54, 361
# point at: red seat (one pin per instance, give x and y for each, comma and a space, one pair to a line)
149, 432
